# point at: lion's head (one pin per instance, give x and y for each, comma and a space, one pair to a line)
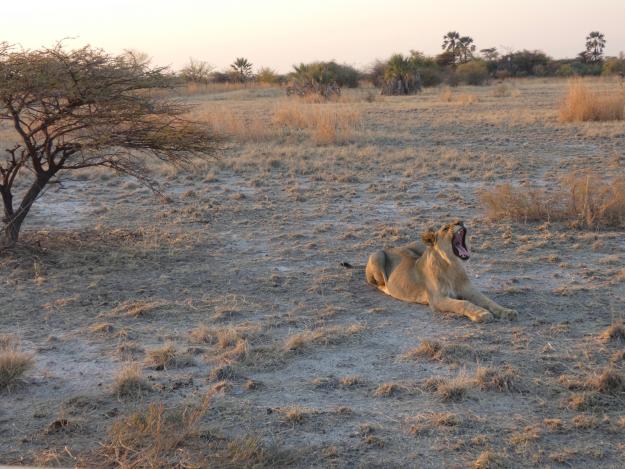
450, 238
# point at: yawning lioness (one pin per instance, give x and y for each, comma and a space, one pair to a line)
433, 274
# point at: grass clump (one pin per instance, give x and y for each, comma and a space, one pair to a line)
152, 437
450, 389
492, 379
582, 104
610, 381
328, 335
585, 199
437, 351
130, 382
13, 362
168, 357
615, 332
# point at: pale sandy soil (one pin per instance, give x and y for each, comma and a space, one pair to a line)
253, 241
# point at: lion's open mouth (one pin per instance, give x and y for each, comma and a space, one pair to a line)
458, 244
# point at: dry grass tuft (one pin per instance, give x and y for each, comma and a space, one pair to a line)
136, 308
610, 381
525, 436
327, 123
151, 438
168, 357
351, 381
450, 389
585, 422
491, 379
615, 332
251, 452
13, 362
492, 460
387, 390
296, 414
587, 199
449, 353
130, 382
584, 401
101, 328
328, 335
425, 423
582, 104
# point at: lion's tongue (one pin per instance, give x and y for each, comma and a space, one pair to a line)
464, 252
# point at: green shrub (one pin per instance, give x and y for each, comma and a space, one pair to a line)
474, 72
267, 75
565, 70
613, 66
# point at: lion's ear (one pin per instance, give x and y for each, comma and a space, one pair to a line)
429, 237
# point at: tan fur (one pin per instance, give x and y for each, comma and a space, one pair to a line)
432, 274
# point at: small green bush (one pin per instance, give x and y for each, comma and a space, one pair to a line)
474, 72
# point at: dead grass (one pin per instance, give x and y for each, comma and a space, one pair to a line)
328, 335
251, 452
427, 422
445, 352
582, 104
609, 381
450, 389
101, 328
615, 332
296, 414
496, 379
151, 438
586, 199
130, 382
328, 124
503, 90
136, 309
13, 362
388, 390
324, 124
168, 357
492, 460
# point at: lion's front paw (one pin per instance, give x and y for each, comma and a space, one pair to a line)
481, 316
510, 314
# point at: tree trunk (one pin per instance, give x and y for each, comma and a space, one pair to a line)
13, 220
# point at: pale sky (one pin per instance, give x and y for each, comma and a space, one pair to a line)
280, 33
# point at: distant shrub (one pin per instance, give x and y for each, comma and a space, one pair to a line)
431, 76
564, 70
268, 76
401, 76
197, 71
375, 74
583, 104
614, 66
322, 78
474, 72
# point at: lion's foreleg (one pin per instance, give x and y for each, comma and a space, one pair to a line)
473, 295
461, 307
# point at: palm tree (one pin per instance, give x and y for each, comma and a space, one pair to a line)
450, 42
465, 48
242, 67
401, 76
595, 42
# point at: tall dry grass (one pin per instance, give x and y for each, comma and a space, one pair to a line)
324, 124
13, 362
583, 104
587, 199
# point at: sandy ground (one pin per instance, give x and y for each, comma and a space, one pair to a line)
252, 243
